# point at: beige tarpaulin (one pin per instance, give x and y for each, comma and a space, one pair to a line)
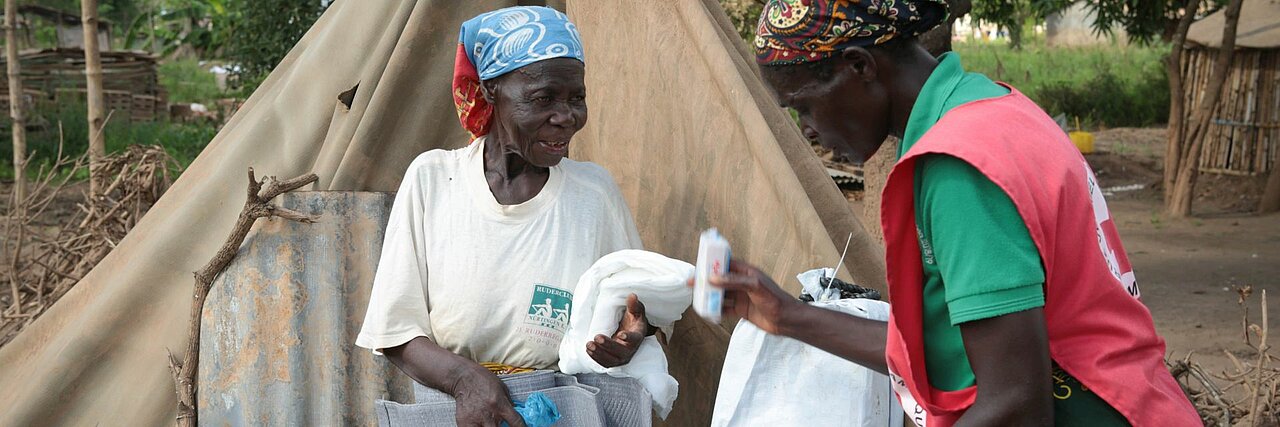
679, 117
676, 113
1259, 26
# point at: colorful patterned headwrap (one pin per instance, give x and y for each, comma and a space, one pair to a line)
501, 41
802, 31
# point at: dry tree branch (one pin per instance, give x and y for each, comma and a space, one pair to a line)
1254, 383
1215, 394
56, 250
257, 205
1256, 388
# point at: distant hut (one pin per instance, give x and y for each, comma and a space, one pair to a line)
67, 27
1245, 129
52, 75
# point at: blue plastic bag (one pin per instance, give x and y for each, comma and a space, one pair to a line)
537, 411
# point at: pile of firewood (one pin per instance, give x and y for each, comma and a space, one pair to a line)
1246, 396
47, 260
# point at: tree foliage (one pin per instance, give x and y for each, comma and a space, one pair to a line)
176, 27
1143, 21
262, 33
1013, 15
744, 14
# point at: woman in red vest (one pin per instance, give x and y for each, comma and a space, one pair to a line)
1013, 302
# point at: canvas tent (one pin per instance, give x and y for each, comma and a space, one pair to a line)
677, 114
1245, 132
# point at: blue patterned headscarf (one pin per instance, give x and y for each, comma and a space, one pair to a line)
506, 39
498, 42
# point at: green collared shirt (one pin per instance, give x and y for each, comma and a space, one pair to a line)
978, 257
979, 260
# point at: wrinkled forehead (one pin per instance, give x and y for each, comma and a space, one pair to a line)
559, 73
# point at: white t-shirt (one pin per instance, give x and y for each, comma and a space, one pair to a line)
490, 282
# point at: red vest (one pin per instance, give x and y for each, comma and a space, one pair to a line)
1099, 331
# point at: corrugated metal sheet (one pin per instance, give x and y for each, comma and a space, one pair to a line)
277, 339
843, 178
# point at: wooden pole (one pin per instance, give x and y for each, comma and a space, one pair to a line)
16, 110
93, 75
1179, 204
1177, 97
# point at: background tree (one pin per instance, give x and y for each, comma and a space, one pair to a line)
94, 95
1190, 140
1012, 16
181, 28
262, 32
744, 14
16, 107
1177, 107
1143, 21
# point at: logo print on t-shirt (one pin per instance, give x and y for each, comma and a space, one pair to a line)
550, 307
926, 249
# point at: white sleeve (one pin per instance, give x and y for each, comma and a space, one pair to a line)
625, 235
397, 309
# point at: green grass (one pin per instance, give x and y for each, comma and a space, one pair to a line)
1103, 85
183, 141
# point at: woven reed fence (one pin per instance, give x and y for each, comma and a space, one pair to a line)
1245, 132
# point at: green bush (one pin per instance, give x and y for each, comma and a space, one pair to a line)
183, 141
187, 81
1106, 100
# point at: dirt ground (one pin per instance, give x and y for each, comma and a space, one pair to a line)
1187, 268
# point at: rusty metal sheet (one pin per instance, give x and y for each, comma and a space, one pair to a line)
278, 333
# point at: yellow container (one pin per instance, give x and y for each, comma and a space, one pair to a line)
1083, 141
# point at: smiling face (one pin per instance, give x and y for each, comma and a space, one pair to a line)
841, 103
538, 108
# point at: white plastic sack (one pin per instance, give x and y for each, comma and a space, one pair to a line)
775, 381
598, 304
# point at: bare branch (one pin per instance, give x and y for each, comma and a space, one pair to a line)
292, 215
257, 205
274, 188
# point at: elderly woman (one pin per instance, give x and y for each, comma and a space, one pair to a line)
486, 243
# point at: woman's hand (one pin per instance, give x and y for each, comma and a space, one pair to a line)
482, 401
617, 350
481, 398
750, 294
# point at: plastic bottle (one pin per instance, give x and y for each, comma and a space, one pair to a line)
713, 259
